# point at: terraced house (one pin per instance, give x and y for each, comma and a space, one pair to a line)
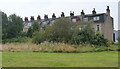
103, 22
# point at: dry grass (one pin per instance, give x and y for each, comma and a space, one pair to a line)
0, 47
43, 47
18, 47
53, 47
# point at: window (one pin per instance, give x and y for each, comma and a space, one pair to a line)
73, 20
96, 18
86, 19
29, 24
98, 27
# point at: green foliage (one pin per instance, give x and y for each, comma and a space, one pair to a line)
84, 33
29, 32
4, 25
36, 26
60, 31
38, 37
14, 40
99, 40
16, 25
13, 27
119, 39
63, 30
81, 37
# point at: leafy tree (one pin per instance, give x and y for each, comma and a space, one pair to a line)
85, 33
15, 26
36, 26
60, 31
38, 37
29, 32
4, 25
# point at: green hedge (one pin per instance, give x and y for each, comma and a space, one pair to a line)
12, 40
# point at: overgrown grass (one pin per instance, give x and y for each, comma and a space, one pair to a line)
36, 59
56, 47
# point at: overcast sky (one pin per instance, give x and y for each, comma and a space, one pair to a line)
27, 8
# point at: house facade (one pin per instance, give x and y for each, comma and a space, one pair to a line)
103, 22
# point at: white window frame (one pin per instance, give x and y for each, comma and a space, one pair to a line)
96, 18
86, 19
29, 24
74, 20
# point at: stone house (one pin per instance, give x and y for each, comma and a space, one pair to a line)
103, 22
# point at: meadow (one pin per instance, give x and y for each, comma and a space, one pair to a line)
58, 55
37, 59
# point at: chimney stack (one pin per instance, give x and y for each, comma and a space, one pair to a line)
93, 12
71, 13
82, 13
38, 18
45, 17
62, 15
26, 19
53, 16
32, 18
108, 10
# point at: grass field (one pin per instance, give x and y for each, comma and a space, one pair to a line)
37, 59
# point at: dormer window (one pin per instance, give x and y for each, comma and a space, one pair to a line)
96, 18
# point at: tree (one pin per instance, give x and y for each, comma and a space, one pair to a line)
29, 32
36, 26
60, 31
4, 25
38, 37
15, 26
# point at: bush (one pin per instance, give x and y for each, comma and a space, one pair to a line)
81, 37
85, 37
12, 40
38, 37
29, 32
119, 39
99, 40
60, 31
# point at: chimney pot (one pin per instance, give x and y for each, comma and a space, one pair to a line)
26, 19
93, 12
38, 18
46, 17
82, 13
62, 15
53, 16
71, 13
108, 10
32, 18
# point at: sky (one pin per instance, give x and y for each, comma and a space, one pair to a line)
27, 8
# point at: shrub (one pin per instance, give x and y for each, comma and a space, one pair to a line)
29, 32
81, 37
84, 48
85, 37
99, 40
12, 40
119, 39
60, 31
38, 37
36, 27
